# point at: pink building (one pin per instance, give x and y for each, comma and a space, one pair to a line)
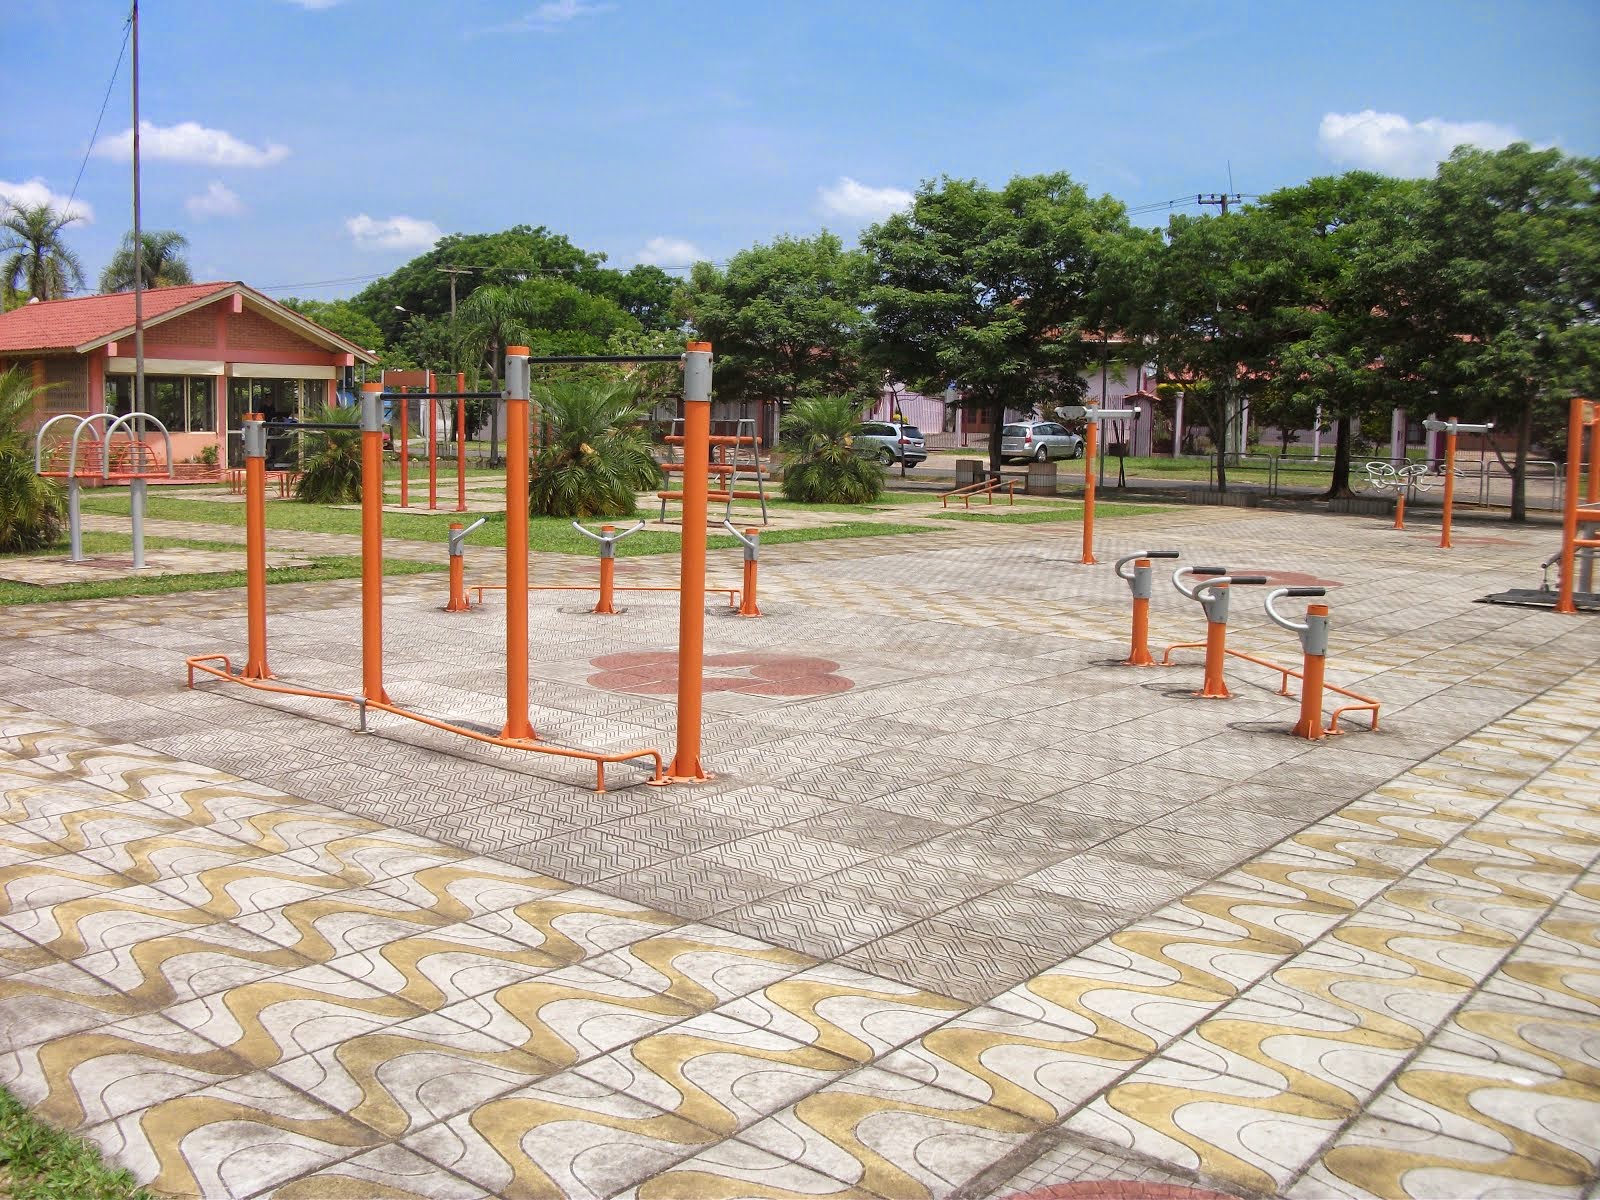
212, 352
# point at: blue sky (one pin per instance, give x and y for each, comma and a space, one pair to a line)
308, 145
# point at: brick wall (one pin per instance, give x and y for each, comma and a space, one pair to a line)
251, 331
198, 328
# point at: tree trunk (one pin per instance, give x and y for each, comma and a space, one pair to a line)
1221, 449
1339, 485
997, 420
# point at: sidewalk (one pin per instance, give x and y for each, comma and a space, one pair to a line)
994, 914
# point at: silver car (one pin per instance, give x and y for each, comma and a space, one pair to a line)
1040, 441
889, 442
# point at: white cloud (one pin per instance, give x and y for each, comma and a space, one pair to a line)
856, 201
34, 192
392, 233
217, 200
670, 252
550, 16
190, 142
1394, 145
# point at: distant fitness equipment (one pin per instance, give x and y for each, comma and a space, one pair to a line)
458, 565
517, 731
1451, 429
1091, 444
138, 463
1402, 480
1580, 523
750, 539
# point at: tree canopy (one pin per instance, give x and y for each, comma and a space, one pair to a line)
162, 262
995, 290
38, 261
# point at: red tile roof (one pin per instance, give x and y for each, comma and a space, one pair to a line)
68, 324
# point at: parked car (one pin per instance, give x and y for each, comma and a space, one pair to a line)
1040, 441
888, 442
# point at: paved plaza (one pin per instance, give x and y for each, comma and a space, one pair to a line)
969, 909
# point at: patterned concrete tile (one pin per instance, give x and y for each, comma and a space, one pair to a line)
816, 919
389, 1171
579, 923
1108, 883
469, 887
733, 1169
952, 959
444, 965
700, 965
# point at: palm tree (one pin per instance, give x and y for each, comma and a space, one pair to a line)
163, 263
597, 454
30, 507
38, 261
822, 465
489, 320
331, 473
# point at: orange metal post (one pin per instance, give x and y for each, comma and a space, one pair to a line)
458, 573
1569, 517
1310, 724
405, 449
1214, 687
372, 543
461, 443
1139, 652
1400, 507
254, 435
1449, 485
433, 447
1593, 496
747, 595
686, 766
608, 572
516, 391
1091, 446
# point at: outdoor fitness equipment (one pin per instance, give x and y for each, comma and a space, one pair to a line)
1451, 429
1413, 477
608, 537
750, 539
431, 400
1212, 596
1580, 524
458, 565
1094, 415
517, 732
1139, 583
140, 464
1313, 633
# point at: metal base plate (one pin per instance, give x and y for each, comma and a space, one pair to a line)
1535, 598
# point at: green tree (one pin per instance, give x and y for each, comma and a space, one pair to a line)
821, 463
785, 319
38, 261
31, 508
1501, 300
331, 472
343, 318
596, 456
162, 262
996, 290
1221, 298
646, 293
1337, 350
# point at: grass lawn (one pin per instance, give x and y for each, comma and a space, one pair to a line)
41, 1163
322, 567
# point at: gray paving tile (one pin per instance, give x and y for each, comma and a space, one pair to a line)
950, 959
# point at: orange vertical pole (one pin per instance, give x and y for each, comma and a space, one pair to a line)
433, 447
1400, 506
458, 572
686, 766
1139, 650
372, 543
1311, 682
1593, 496
1214, 686
747, 594
461, 443
608, 571
516, 392
1449, 485
405, 448
1569, 514
1091, 446
254, 435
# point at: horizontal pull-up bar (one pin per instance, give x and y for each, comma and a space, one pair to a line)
439, 395
579, 359
347, 426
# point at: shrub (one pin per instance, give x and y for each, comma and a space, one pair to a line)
331, 471
597, 454
31, 509
821, 464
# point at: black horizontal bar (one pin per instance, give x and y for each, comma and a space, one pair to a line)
577, 359
348, 426
438, 395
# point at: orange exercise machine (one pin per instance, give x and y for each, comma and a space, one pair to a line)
1093, 415
1580, 523
1451, 429
428, 409
517, 732
1139, 583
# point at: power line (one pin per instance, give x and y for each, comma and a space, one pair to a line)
127, 29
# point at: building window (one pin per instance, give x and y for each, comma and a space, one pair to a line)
184, 404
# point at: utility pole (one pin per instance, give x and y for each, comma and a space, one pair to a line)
138, 236
1220, 199
453, 272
